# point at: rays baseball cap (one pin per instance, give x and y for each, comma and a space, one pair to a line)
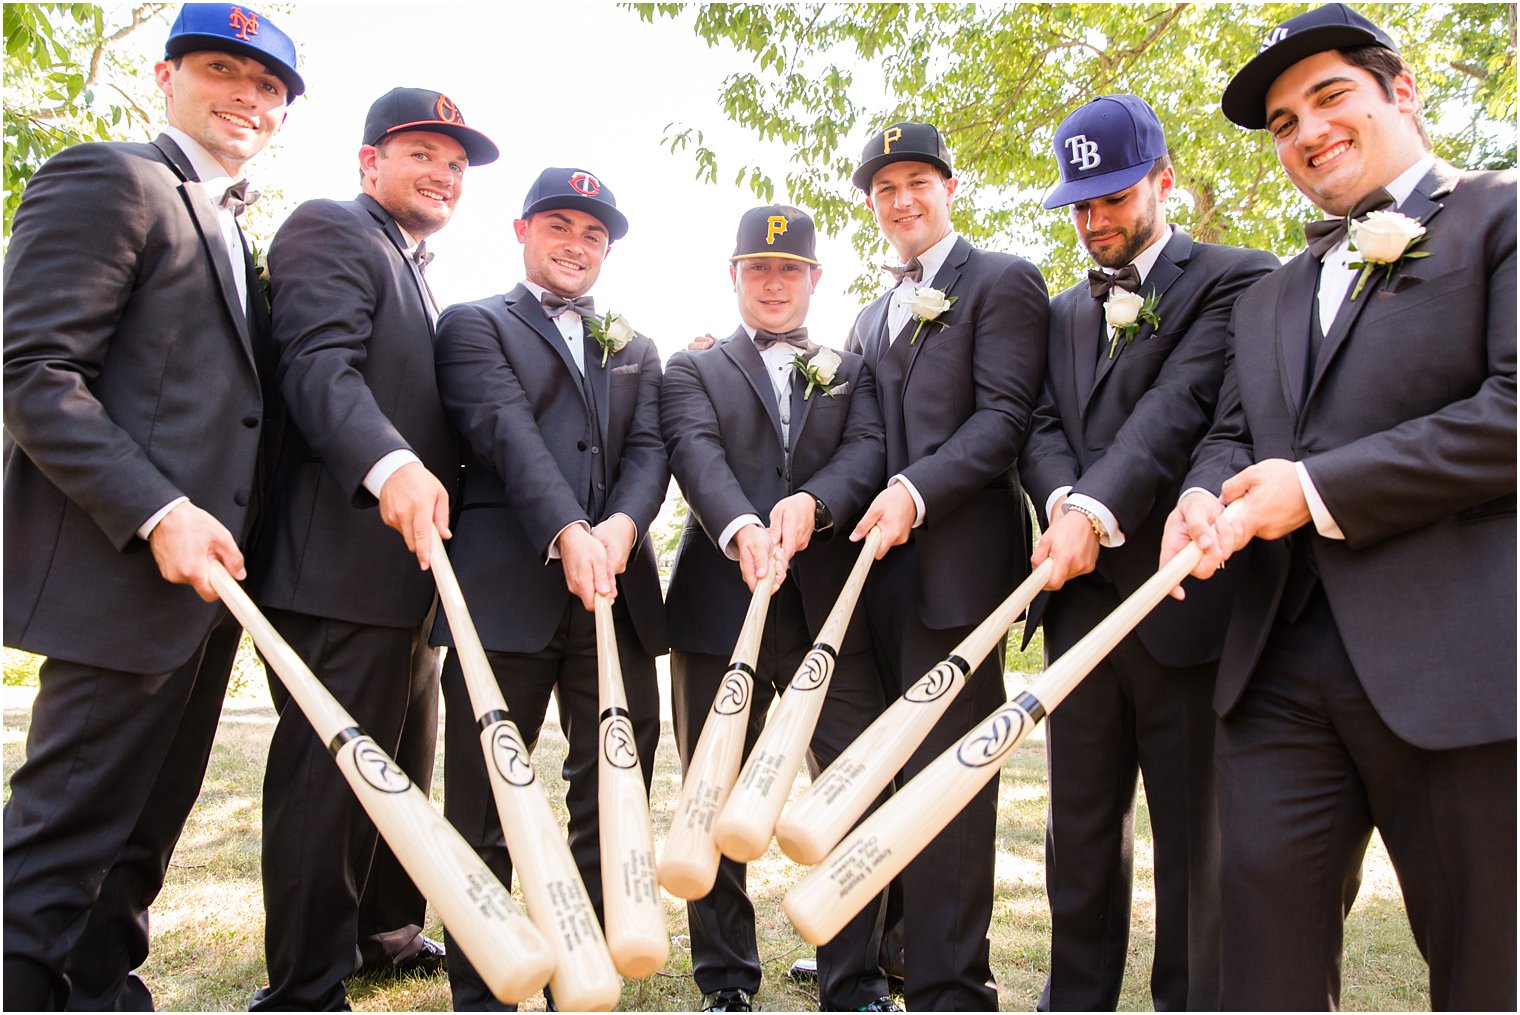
902, 142
1333, 26
776, 230
1106, 146
578, 189
403, 109
234, 28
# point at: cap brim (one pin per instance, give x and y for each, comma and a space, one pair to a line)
617, 225
1245, 98
869, 168
182, 44
773, 253
1102, 185
478, 148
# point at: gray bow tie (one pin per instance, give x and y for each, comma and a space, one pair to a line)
913, 271
554, 305
238, 197
1324, 235
422, 256
796, 337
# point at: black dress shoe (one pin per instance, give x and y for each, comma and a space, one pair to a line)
803, 971
882, 1004
425, 961
732, 999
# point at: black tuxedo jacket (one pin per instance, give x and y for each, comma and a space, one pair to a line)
132, 377
956, 405
1407, 428
1121, 429
356, 372
537, 450
723, 430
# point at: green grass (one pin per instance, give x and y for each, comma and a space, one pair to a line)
208, 923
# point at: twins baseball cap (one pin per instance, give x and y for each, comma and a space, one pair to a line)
578, 189
776, 230
1106, 146
403, 109
1333, 26
902, 142
234, 28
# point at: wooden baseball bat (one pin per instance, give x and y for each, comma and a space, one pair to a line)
505, 947
861, 866
812, 825
689, 865
636, 934
743, 831
584, 978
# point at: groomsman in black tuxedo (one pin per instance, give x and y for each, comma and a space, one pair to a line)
1367, 423
769, 425
139, 416
957, 386
559, 409
1127, 398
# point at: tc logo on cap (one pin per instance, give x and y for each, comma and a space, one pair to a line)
891, 134
243, 23
585, 183
1275, 36
447, 111
774, 227
1084, 153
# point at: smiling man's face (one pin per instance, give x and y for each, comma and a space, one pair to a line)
231, 105
912, 205
563, 249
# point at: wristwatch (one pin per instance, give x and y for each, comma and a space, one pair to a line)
1099, 529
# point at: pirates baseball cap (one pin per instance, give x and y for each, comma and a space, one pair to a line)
1106, 146
902, 142
776, 230
234, 28
1333, 26
403, 109
578, 189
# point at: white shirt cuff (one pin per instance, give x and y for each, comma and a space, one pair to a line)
146, 528
1050, 502
1115, 536
1196, 489
385, 468
1323, 523
918, 502
726, 538
553, 553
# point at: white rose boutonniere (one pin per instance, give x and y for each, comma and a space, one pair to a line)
927, 305
261, 270
1125, 312
819, 371
611, 331
1385, 239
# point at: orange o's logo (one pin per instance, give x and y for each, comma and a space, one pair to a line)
447, 111
244, 23
891, 134
585, 183
774, 227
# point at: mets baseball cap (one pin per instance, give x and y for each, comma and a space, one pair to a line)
902, 142
776, 230
1333, 26
1106, 146
403, 109
578, 189
234, 28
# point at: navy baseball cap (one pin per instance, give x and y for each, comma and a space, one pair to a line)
1333, 26
776, 230
1106, 146
234, 28
902, 142
402, 109
576, 188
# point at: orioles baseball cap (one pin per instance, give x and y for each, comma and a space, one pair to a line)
1106, 146
578, 189
776, 230
1333, 26
403, 109
234, 28
902, 142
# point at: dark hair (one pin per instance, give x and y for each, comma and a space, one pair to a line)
1385, 65
1160, 166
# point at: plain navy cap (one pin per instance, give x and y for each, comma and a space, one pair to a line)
1333, 26
902, 142
576, 188
233, 28
776, 230
1106, 146
402, 109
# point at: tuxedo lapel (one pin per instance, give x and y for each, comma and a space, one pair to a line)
800, 404
393, 233
528, 310
597, 378
944, 280
874, 345
1088, 337
1167, 270
1294, 320
740, 348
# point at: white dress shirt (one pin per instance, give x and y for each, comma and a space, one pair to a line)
779, 366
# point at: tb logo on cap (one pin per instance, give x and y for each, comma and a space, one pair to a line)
775, 226
1275, 36
1084, 153
585, 183
243, 23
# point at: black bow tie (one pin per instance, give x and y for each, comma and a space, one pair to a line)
422, 256
796, 337
1323, 236
913, 271
238, 197
554, 305
1100, 282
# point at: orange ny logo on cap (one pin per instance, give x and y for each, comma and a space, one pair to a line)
891, 134
775, 226
585, 183
447, 111
243, 23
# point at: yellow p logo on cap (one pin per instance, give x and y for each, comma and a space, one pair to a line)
774, 227
891, 134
